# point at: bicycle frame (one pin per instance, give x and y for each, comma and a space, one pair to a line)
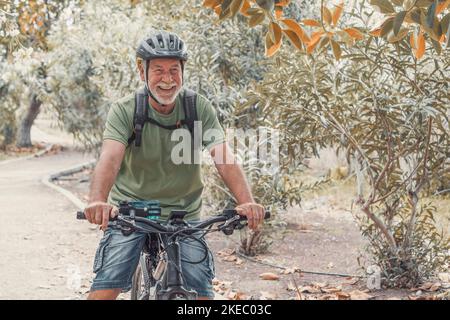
171, 286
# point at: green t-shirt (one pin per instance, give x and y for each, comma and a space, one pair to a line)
148, 172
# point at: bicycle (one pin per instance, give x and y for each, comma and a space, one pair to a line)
159, 274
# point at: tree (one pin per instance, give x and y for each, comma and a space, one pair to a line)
385, 103
27, 24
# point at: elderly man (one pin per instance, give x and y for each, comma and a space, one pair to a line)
126, 171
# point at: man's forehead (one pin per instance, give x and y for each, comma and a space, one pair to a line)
164, 62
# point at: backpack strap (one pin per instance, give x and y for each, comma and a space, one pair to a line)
140, 117
190, 112
190, 109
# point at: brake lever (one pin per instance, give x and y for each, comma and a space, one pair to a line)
230, 225
126, 230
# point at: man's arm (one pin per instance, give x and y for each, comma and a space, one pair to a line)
234, 178
98, 211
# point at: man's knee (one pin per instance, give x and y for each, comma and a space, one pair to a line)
109, 294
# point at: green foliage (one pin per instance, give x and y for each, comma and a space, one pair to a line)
389, 112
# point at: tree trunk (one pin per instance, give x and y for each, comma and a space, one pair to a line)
250, 241
24, 134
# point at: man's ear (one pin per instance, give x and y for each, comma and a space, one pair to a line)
141, 71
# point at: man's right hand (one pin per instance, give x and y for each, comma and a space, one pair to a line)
99, 213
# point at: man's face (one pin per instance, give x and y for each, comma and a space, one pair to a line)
165, 79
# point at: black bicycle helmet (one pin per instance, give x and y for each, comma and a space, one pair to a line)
161, 44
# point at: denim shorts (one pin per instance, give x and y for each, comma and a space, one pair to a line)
118, 255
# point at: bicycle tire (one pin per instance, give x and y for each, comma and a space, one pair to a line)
138, 287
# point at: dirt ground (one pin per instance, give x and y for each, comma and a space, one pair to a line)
321, 236
48, 254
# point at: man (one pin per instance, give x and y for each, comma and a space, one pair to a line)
127, 172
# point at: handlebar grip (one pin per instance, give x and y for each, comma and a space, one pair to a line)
80, 215
266, 216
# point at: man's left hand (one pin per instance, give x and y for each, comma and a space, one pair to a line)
254, 213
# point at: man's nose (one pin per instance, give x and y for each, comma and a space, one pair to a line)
167, 77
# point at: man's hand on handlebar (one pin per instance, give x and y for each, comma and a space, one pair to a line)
254, 213
100, 212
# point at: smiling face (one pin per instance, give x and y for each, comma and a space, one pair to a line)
165, 79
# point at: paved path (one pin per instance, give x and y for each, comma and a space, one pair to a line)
45, 253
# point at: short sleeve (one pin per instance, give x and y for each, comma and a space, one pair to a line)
119, 124
213, 133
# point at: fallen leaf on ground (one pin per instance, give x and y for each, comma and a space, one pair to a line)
309, 289
291, 287
435, 287
226, 252
328, 297
265, 295
319, 284
241, 296
269, 276
331, 289
290, 270
229, 258
359, 295
351, 281
221, 286
239, 261
426, 286
342, 295
422, 298
232, 295
430, 286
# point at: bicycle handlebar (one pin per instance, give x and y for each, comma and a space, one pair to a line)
225, 216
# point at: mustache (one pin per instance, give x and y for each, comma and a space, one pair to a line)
166, 86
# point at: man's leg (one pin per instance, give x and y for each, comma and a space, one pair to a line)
110, 294
115, 263
197, 276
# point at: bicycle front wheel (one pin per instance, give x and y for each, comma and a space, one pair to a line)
143, 283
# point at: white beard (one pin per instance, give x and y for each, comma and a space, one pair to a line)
167, 100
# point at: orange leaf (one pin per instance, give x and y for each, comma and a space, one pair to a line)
283, 3
211, 3
244, 8
441, 7
327, 17
269, 276
442, 39
293, 38
218, 10
275, 32
336, 49
311, 22
375, 32
278, 12
420, 45
294, 26
315, 38
412, 41
354, 33
337, 13
271, 48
